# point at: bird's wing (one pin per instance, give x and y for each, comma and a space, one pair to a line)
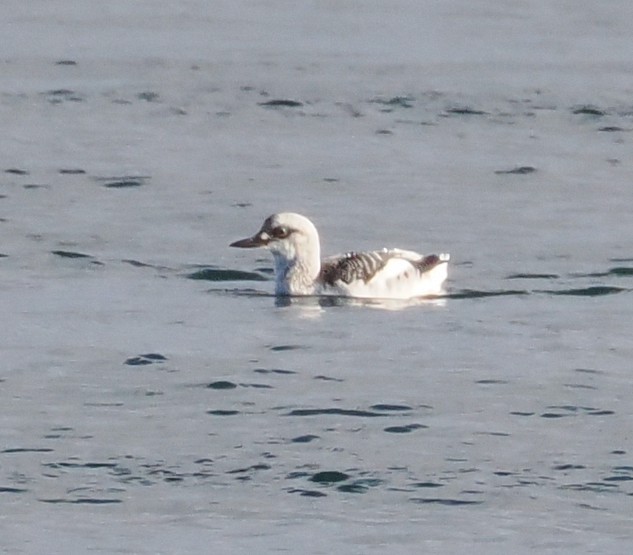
353, 266
388, 272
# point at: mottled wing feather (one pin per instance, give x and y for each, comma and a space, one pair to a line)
426, 263
354, 266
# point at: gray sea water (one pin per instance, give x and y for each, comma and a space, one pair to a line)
156, 398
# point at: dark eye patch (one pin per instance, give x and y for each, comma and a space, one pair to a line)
281, 232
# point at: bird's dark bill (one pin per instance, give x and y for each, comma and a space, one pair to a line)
259, 240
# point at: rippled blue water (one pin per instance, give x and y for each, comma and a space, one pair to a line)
157, 399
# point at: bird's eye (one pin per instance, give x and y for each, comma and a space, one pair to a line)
280, 232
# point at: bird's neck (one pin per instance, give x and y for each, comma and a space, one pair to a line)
297, 275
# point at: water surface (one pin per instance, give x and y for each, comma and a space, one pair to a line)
156, 397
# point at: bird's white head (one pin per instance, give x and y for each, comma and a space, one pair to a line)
294, 243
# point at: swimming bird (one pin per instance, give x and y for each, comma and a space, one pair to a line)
293, 241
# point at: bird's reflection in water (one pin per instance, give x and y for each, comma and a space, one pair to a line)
327, 301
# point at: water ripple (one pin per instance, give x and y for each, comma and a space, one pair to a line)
222, 274
592, 291
333, 411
